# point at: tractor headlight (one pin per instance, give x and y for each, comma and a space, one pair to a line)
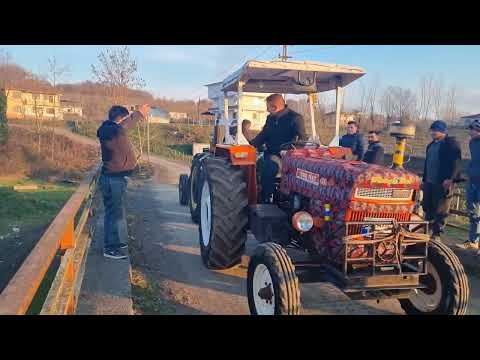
302, 221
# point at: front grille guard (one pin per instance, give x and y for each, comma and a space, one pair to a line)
410, 249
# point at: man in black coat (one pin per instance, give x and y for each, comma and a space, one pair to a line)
442, 168
375, 151
282, 126
353, 140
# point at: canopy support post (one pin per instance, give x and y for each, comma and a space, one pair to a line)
338, 110
311, 102
228, 137
240, 138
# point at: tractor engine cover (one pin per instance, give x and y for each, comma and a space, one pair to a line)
350, 187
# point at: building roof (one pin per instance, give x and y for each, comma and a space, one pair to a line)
471, 116
48, 92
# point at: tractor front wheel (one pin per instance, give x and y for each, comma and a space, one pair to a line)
272, 285
447, 290
223, 213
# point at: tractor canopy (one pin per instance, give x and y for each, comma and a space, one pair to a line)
291, 77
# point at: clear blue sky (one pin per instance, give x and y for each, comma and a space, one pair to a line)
181, 71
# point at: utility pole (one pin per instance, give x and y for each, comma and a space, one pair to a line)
284, 55
198, 111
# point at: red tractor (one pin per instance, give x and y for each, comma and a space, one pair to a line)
349, 221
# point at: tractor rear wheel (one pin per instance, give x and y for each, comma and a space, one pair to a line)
272, 285
223, 214
183, 189
447, 290
194, 186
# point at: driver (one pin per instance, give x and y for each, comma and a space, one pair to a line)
282, 126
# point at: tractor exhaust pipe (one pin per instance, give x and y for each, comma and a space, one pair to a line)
401, 131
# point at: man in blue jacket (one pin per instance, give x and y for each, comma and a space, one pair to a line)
441, 169
353, 140
473, 187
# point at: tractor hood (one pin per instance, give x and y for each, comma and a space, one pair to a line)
338, 182
291, 77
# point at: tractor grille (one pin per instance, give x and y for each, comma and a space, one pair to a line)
385, 193
362, 215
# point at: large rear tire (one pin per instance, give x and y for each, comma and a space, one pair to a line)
195, 186
223, 215
447, 291
272, 285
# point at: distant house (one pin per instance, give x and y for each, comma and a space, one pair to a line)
159, 116
467, 120
178, 115
27, 104
71, 107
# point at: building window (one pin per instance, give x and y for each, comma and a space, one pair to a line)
50, 111
16, 94
51, 99
17, 109
254, 116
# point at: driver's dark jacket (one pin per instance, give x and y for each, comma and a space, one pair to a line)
279, 129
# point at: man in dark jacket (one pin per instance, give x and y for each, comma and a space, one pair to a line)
282, 126
353, 140
119, 161
442, 168
375, 151
473, 187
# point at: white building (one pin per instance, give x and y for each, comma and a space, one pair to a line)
70, 107
178, 115
254, 107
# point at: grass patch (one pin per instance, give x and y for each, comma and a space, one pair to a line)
30, 209
146, 299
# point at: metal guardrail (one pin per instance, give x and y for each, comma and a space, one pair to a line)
73, 241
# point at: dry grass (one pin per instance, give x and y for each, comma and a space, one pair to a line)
20, 156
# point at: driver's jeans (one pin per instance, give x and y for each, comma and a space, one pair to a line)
268, 175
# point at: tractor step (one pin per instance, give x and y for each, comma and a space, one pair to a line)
268, 223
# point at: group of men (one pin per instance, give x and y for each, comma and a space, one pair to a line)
442, 165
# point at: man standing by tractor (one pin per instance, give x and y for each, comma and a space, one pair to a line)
119, 161
282, 126
375, 151
473, 187
353, 140
442, 168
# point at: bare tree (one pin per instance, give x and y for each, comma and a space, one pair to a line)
426, 96
437, 97
118, 72
398, 103
55, 74
450, 112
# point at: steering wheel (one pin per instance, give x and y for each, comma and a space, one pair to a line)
292, 145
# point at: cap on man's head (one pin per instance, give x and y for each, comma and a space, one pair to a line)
439, 126
117, 111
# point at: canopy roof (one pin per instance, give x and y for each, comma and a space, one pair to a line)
291, 77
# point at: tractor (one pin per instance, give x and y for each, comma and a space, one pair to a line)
353, 224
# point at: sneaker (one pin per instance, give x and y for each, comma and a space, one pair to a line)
114, 254
122, 246
468, 245
436, 238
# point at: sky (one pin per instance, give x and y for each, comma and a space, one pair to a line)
181, 71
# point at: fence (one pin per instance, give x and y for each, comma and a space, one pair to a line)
70, 233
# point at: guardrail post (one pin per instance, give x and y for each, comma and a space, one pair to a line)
68, 238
